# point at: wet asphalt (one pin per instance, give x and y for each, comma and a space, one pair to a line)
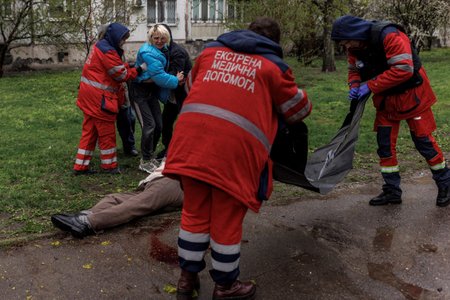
331, 246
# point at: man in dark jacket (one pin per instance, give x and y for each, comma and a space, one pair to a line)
179, 60
382, 61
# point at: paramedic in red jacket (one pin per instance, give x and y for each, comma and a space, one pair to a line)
238, 88
382, 61
100, 95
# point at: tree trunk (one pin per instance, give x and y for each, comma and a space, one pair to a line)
328, 63
3, 50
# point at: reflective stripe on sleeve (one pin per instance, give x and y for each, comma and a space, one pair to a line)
300, 115
283, 108
117, 69
407, 68
98, 85
400, 57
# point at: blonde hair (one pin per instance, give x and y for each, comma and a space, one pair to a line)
161, 30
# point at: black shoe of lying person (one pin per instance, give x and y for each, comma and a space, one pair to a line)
77, 224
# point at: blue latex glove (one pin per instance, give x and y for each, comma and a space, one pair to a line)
363, 91
353, 94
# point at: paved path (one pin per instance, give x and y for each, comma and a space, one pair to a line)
318, 247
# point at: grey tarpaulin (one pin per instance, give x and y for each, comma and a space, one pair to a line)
327, 165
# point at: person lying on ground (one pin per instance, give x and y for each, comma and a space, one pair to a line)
155, 192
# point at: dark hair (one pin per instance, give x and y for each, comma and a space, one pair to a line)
267, 27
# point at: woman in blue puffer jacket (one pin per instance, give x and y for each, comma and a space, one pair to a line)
153, 85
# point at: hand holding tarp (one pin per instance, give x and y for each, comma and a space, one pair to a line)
364, 91
353, 93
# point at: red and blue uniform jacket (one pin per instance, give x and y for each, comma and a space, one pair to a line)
398, 58
238, 88
101, 91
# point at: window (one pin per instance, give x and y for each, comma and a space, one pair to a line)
236, 10
161, 11
211, 11
116, 10
6, 9
59, 9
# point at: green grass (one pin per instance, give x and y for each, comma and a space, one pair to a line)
41, 127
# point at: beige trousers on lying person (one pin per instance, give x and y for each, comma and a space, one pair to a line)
120, 208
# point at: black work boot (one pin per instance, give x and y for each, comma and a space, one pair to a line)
386, 197
443, 197
187, 284
235, 291
77, 224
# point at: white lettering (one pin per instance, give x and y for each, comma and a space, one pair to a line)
235, 69
207, 76
251, 88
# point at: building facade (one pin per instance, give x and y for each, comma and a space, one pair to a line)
192, 22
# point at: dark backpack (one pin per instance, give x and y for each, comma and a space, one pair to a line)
375, 61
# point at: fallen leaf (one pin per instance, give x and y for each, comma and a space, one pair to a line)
87, 266
170, 289
56, 243
106, 243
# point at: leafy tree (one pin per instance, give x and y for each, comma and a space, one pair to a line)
27, 22
91, 14
306, 24
421, 18
57, 22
